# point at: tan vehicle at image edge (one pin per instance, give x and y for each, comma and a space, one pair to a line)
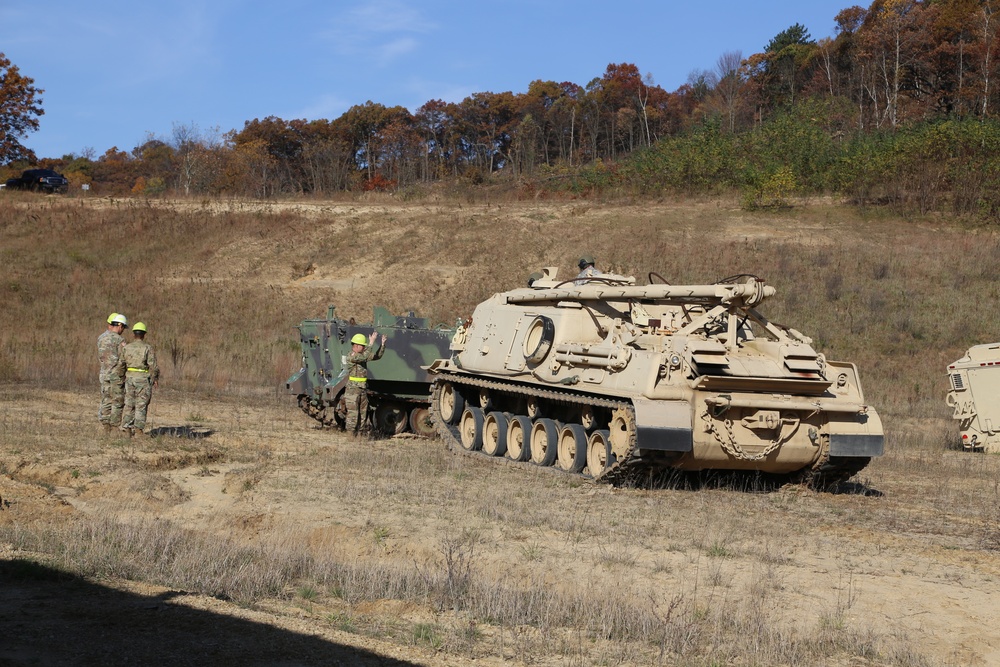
975, 397
618, 381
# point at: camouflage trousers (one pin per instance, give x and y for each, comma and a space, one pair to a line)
138, 392
112, 400
356, 398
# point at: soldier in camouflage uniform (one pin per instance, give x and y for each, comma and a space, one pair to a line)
109, 347
587, 269
356, 392
138, 364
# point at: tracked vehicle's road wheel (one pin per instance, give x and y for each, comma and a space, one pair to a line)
420, 422
535, 419
544, 442
572, 450
450, 403
519, 438
485, 401
471, 429
495, 434
599, 455
533, 407
391, 418
622, 432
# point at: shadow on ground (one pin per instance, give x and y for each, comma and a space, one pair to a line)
746, 481
191, 432
49, 617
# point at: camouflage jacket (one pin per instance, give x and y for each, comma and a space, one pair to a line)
586, 273
138, 356
357, 362
109, 349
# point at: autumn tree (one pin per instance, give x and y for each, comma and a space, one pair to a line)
253, 167
20, 107
886, 55
192, 157
282, 140
486, 122
957, 39
729, 88
623, 94
554, 112
362, 128
400, 150
327, 161
436, 123
155, 166
115, 170
985, 25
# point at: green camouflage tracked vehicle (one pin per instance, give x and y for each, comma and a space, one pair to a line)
398, 385
617, 381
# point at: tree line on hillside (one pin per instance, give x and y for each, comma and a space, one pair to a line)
857, 105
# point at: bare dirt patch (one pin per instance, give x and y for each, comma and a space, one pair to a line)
875, 561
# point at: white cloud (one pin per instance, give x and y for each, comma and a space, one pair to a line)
397, 47
389, 16
385, 30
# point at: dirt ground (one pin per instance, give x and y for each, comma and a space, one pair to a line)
906, 556
885, 554
50, 617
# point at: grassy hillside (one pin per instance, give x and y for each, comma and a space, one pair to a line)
399, 546
221, 284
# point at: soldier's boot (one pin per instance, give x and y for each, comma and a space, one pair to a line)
131, 432
107, 427
139, 431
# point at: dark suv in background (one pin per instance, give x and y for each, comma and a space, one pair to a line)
43, 180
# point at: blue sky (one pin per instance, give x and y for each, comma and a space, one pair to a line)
115, 72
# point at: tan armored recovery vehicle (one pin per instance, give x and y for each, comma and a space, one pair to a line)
975, 397
617, 381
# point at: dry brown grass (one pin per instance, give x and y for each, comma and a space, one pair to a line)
569, 571
454, 555
219, 286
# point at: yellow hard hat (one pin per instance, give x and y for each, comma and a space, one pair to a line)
139, 326
359, 339
111, 318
